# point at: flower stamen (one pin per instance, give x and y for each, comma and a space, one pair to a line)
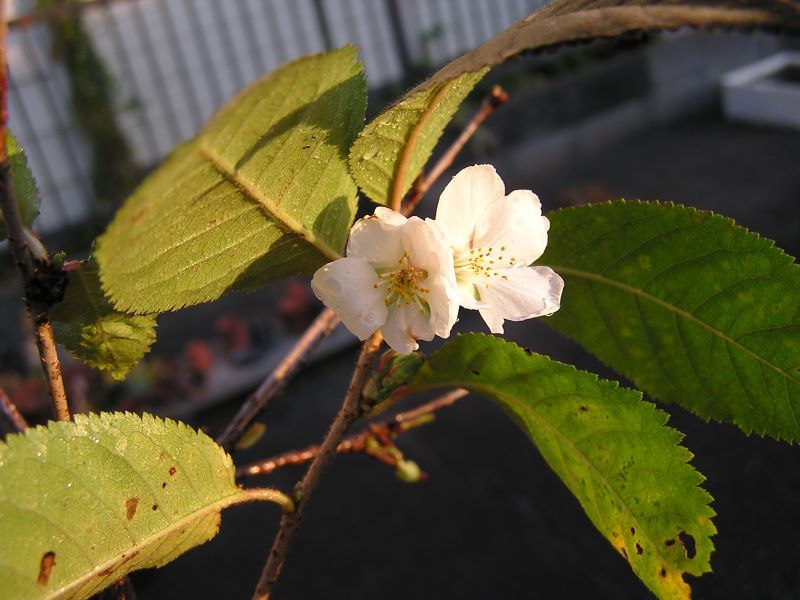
404, 285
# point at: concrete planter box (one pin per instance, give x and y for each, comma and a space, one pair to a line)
766, 91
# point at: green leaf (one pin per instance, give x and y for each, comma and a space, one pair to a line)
23, 183
263, 193
565, 21
84, 503
610, 448
692, 308
393, 148
89, 327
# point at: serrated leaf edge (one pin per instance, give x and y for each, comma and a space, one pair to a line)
116, 372
78, 428
768, 244
677, 436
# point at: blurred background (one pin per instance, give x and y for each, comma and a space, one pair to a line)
101, 90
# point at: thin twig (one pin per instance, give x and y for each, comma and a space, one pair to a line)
323, 325
34, 270
12, 414
496, 98
354, 443
327, 321
348, 414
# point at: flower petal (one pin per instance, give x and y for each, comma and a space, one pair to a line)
405, 325
348, 287
514, 228
392, 217
428, 250
376, 239
464, 200
519, 294
443, 301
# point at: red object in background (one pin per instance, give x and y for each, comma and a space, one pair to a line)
235, 334
297, 307
30, 395
199, 359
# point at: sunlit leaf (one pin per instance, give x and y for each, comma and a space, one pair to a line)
611, 449
692, 308
392, 149
84, 503
89, 327
263, 193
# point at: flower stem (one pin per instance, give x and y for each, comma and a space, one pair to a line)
348, 414
354, 443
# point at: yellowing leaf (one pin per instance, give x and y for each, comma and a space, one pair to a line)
83, 503
611, 449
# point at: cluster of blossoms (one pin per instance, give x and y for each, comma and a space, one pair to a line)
408, 277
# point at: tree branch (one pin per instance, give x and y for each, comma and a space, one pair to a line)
323, 325
357, 442
42, 284
348, 414
12, 414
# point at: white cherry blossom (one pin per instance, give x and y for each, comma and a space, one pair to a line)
397, 276
494, 238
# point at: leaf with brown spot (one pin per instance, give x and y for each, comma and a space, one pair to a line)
74, 489
130, 507
620, 460
45, 567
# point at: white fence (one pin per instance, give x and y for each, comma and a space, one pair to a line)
173, 62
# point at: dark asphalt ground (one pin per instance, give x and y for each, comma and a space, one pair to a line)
493, 521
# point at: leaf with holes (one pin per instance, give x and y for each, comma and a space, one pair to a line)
89, 327
692, 308
611, 449
83, 504
23, 184
263, 193
392, 149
